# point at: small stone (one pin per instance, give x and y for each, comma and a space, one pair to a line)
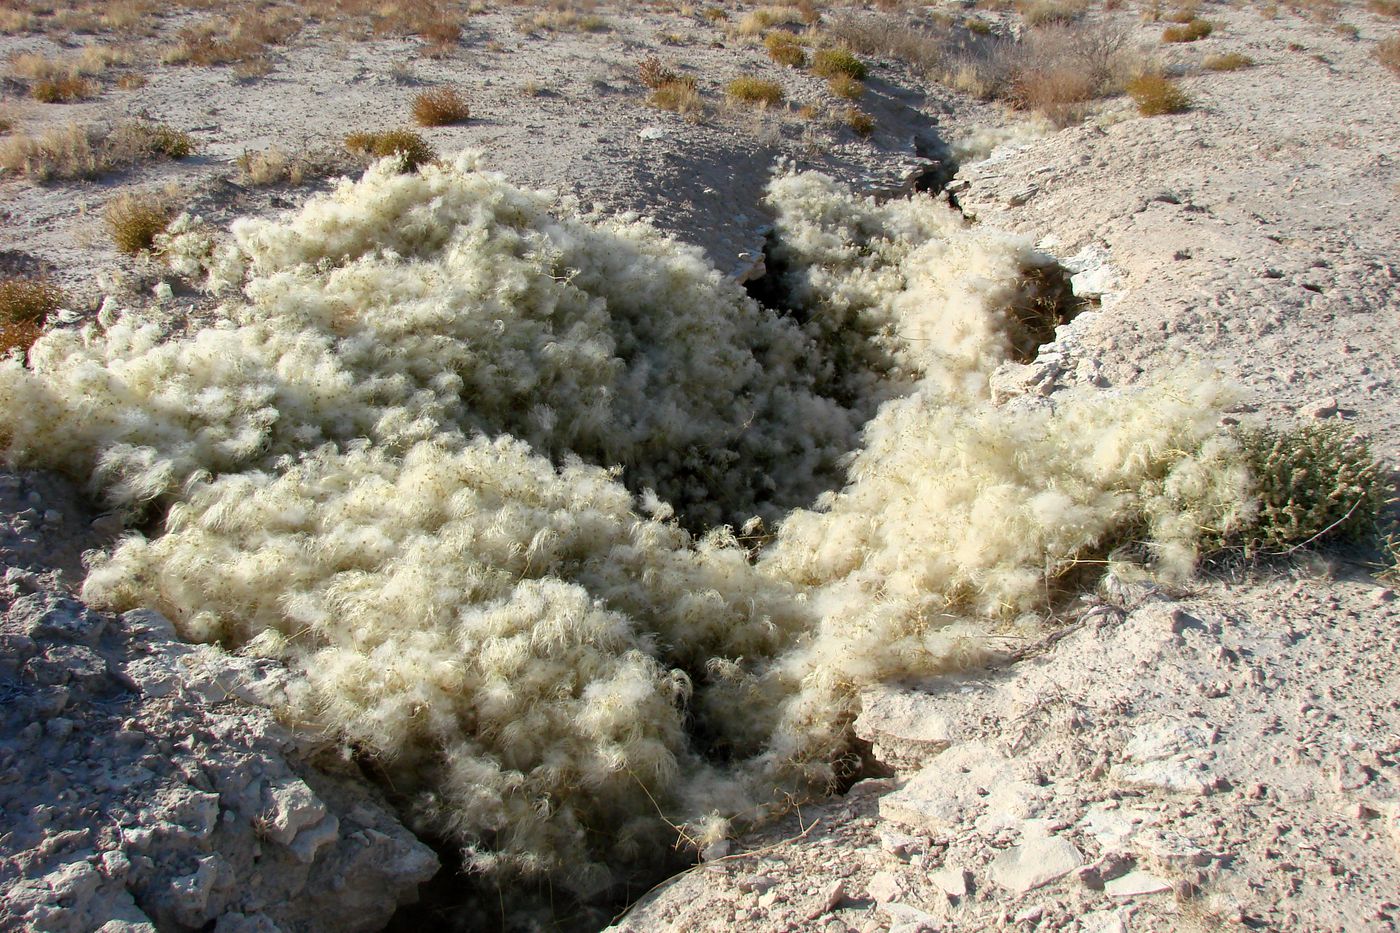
1324, 407
1349, 775
1136, 884
901, 845
835, 894
884, 887
1030, 915
951, 881
1382, 596
757, 884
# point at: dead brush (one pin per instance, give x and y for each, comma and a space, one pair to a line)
413, 150
272, 166
440, 106
76, 151
860, 122
28, 299
652, 73
846, 86
1049, 12
440, 34
1389, 8
134, 220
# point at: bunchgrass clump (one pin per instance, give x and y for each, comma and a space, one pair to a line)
440, 106
1188, 32
65, 89
846, 86
1229, 61
1387, 52
860, 122
1052, 12
134, 220
1157, 95
413, 150
784, 48
28, 299
1314, 483
828, 63
678, 95
755, 91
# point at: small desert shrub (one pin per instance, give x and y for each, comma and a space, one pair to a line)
64, 153
1387, 52
137, 140
1047, 12
1156, 95
134, 220
270, 166
441, 34
1314, 482
757, 91
63, 90
132, 82
1389, 8
846, 86
561, 21
829, 63
715, 14
245, 39
761, 20
28, 300
413, 149
1230, 61
653, 74
1188, 32
784, 49
860, 122
440, 106
678, 95
892, 37
18, 336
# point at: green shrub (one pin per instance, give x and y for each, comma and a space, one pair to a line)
1316, 482
755, 91
832, 62
784, 49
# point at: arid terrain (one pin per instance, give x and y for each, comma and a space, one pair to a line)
1216, 753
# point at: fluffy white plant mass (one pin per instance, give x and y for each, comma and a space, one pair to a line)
433, 455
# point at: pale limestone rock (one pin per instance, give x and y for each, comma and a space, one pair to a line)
1035, 862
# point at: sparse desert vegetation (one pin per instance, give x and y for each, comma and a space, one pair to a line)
440, 106
595, 548
1156, 95
412, 150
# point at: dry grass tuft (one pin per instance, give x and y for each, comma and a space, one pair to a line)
755, 91
64, 90
271, 166
1230, 61
1156, 95
561, 21
678, 95
440, 106
413, 149
134, 220
759, 21
441, 35
1387, 52
846, 86
784, 49
828, 63
246, 40
1389, 8
28, 299
860, 122
1187, 32
67, 152
1051, 12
